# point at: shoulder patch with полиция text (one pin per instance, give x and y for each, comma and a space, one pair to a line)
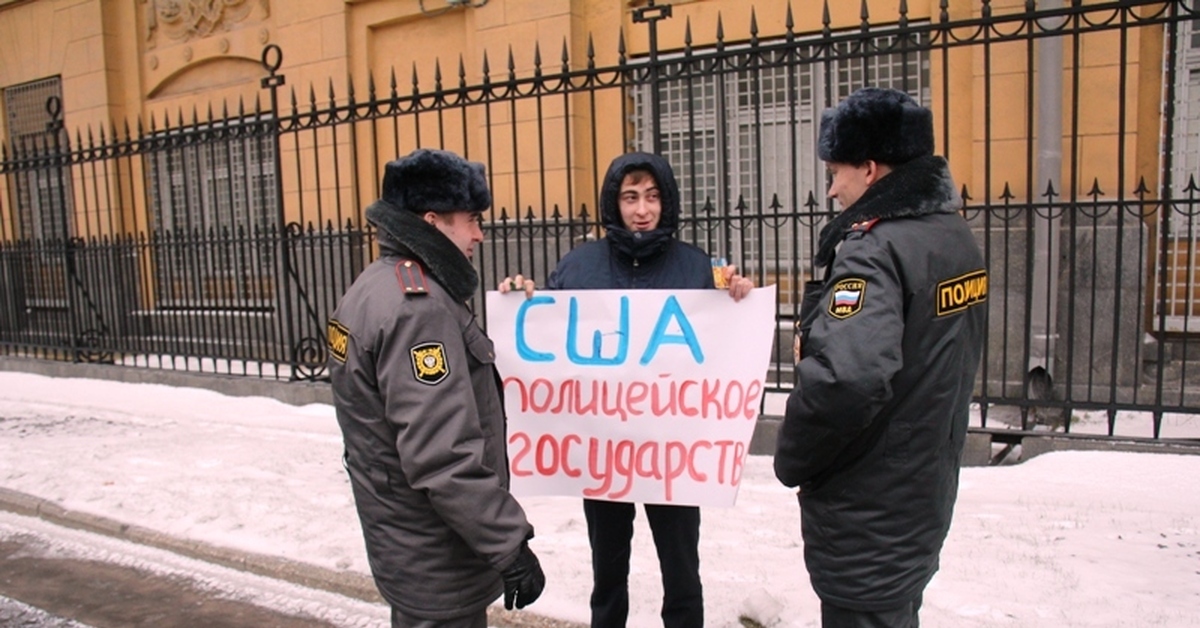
959, 293
847, 297
339, 338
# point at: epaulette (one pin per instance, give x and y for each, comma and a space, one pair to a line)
411, 277
863, 226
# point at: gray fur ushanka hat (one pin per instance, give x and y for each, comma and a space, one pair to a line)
882, 125
435, 181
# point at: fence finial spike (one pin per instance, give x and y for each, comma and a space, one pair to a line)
944, 8
437, 73
486, 66
1142, 189
788, 22
512, 65
825, 20
591, 52
241, 106
462, 72
621, 46
753, 26
224, 109
350, 87
537, 56
1095, 192
370, 84
332, 96
1050, 192
865, 14
210, 113
195, 115
687, 36
566, 56
720, 31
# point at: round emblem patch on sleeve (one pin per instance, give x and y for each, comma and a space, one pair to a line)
429, 362
847, 296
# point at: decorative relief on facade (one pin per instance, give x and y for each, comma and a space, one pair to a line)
174, 21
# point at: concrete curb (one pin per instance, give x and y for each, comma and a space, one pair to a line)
354, 585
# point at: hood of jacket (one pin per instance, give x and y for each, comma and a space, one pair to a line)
408, 235
920, 187
648, 244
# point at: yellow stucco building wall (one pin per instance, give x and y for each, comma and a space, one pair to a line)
125, 61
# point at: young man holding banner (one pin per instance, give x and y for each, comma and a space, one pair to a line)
890, 343
418, 402
640, 208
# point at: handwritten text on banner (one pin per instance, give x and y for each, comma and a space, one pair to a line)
641, 396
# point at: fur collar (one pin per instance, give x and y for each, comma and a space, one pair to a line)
918, 188
406, 234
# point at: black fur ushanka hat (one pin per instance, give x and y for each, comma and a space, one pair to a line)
882, 125
435, 181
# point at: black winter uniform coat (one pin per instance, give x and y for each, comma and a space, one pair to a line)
419, 405
875, 425
623, 260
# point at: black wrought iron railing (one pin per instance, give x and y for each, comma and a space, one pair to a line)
221, 241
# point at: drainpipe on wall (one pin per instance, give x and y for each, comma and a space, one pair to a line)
1044, 277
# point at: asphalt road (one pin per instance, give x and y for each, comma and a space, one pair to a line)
53, 577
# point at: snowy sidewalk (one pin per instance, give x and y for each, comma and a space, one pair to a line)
1065, 539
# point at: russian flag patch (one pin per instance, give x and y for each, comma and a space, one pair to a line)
847, 297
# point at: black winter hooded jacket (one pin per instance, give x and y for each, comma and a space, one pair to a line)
623, 260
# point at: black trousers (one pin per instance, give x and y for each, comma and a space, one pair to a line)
475, 620
903, 617
676, 531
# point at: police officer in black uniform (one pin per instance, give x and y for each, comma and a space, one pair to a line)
890, 343
418, 402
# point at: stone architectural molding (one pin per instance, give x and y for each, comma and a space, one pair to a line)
177, 21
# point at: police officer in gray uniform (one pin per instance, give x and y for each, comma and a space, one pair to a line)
418, 401
889, 347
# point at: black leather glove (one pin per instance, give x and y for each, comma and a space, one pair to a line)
523, 579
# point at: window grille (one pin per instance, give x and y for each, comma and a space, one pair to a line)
1179, 307
725, 132
213, 199
42, 194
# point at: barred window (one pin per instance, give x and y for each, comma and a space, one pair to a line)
1181, 284
213, 200
42, 193
743, 138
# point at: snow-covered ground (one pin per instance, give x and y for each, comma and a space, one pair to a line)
1063, 539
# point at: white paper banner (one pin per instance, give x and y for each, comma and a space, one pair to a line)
644, 396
